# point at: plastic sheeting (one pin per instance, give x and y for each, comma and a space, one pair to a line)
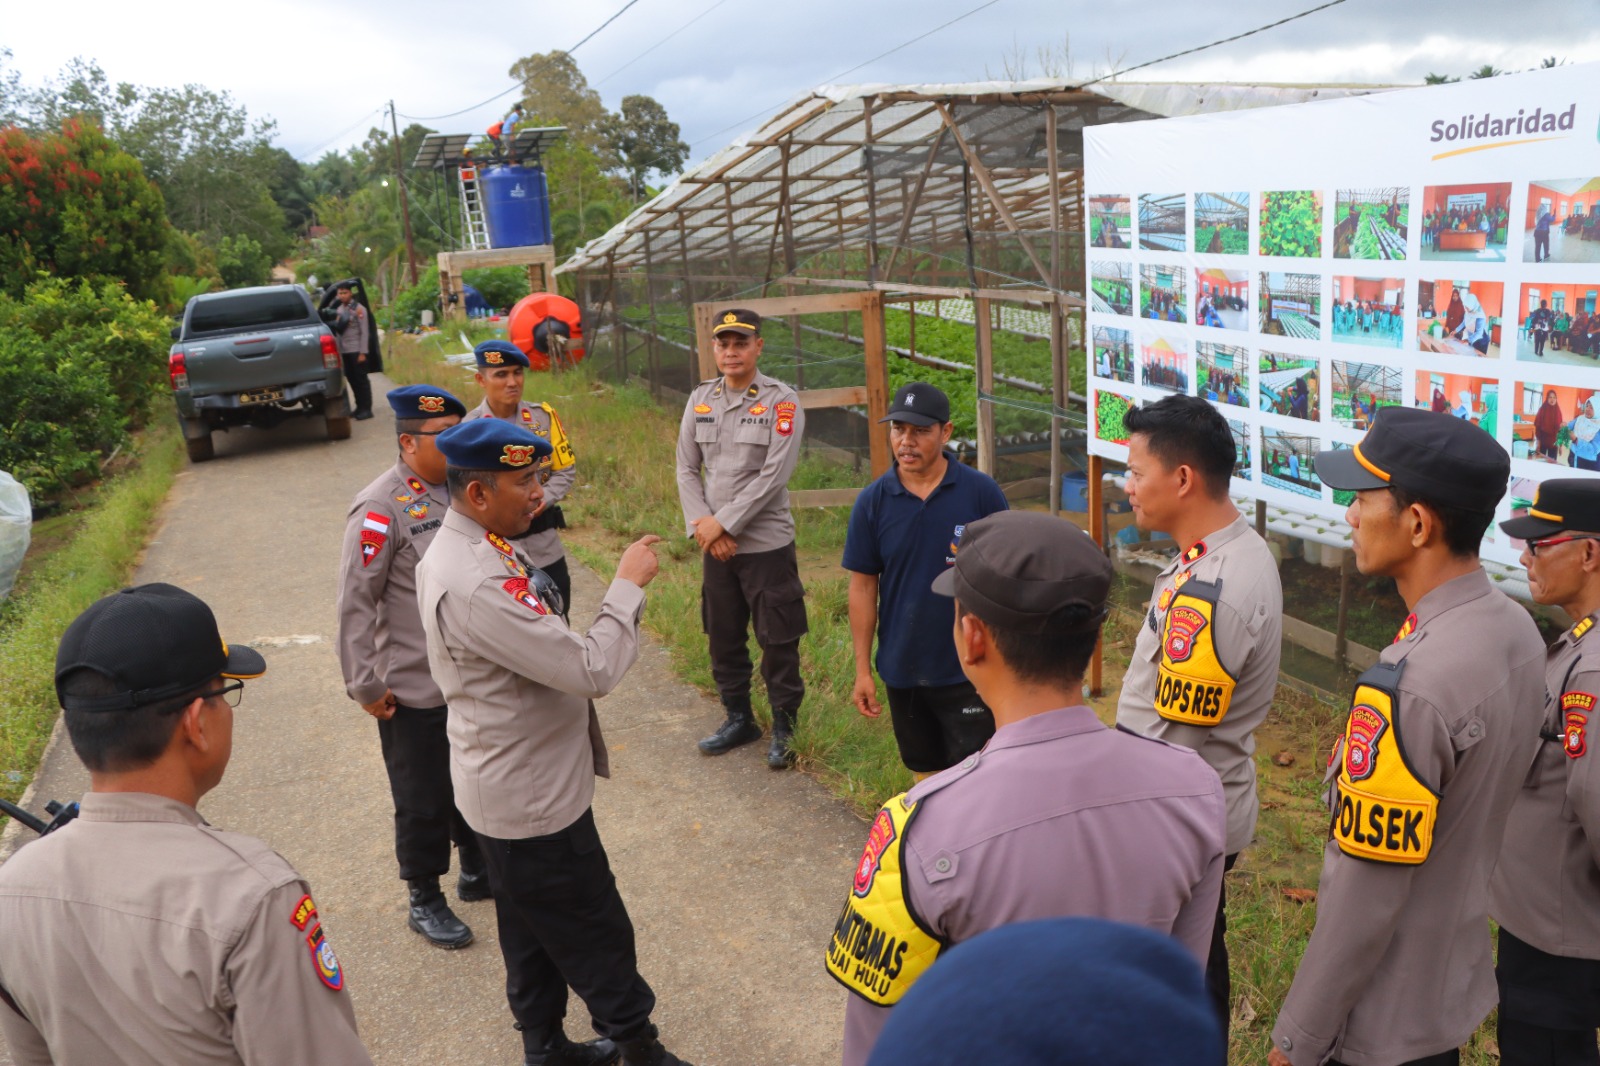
16, 528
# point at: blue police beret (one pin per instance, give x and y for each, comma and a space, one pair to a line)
424, 401
1058, 992
490, 444
499, 353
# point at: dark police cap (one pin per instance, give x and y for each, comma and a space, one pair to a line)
1017, 569
491, 354
1559, 504
424, 401
737, 320
1429, 454
157, 642
920, 405
490, 444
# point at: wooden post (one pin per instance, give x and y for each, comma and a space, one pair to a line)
872, 195
1097, 530
984, 366
702, 341
877, 380
1261, 519
650, 300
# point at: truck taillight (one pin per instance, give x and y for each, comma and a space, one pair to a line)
330, 353
177, 371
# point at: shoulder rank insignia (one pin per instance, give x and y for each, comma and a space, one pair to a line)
527, 416
323, 960
500, 544
753, 390
374, 534
1196, 550
519, 591
1582, 627
416, 486
1406, 628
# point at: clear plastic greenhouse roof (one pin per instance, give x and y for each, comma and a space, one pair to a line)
812, 161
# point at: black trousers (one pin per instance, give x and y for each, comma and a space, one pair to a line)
1219, 984
764, 588
356, 374
936, 727
416, 753
1444, 1058
1549, 1006
562, 923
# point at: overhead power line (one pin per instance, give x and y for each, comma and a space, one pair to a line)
518, 86
1213, 44
866, 63
306, 156
659, 43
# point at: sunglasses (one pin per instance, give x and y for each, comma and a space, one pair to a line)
1535, 546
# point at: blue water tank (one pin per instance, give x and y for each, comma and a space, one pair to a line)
518, 202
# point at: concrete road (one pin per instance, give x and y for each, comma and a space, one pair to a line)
733, 873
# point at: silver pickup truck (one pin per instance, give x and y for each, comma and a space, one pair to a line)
254, 357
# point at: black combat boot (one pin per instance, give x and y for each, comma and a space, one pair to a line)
472, 880
431, 915
645, 1050
740, 728
549, 1046
779, 755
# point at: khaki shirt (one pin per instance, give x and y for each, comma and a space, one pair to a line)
1399, 965
748, 446
140, 935
543, 547
1546, 888
1007, 835
381, 643
1249, 631
525, 743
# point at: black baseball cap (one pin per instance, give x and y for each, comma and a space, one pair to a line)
1017, 569
1558, 504
1431, 454
919, 404
737, 320
156, 641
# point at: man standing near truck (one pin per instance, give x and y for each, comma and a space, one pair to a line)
353, 326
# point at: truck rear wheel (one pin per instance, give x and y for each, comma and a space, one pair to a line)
200, 448
337, 414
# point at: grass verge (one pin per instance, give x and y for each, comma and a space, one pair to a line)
627, 488
94, 559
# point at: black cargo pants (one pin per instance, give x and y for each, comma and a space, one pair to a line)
764, 588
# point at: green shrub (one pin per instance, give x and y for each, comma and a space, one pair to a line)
60, 416
405, 310
242, 262
501, 286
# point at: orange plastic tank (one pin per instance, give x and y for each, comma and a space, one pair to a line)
537, 317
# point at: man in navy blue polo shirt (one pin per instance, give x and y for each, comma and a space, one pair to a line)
904, 531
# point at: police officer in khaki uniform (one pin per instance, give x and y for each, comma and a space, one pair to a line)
525, 747
1422, 776
1545, 892
743, 431
138, 934
1007, 834
384, 657
1205, 665
502, 374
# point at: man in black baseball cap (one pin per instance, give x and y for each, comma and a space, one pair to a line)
1004, 835
1542, 891
138, 924
1425, 766
905, 529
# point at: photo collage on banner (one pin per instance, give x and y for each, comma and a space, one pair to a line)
1435, 248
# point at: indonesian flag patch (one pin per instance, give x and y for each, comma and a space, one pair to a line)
374, 534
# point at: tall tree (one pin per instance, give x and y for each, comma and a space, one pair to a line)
555, 93
640, 139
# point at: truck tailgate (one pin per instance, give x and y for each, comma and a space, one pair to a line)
254, 360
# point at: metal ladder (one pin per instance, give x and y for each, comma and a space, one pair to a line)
473, 224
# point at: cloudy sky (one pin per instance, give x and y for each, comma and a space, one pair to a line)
323, 71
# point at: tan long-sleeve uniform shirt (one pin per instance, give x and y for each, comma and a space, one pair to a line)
141, 936
525, 743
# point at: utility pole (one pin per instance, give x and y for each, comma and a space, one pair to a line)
405, 208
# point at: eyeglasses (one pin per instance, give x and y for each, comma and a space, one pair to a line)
1535, 545
233, 692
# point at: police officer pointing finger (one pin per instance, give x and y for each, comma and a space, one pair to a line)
1546, 889
1421, 778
